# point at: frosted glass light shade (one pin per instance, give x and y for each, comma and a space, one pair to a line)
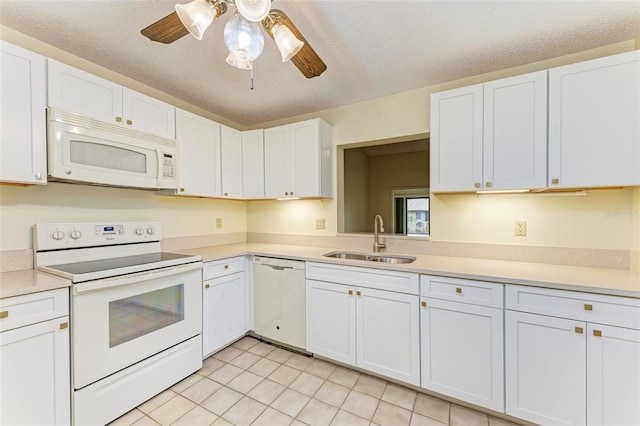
243, 38
238, 63
196, 17
253, 10
288, 44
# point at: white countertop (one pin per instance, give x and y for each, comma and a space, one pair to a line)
28, 281
616, 282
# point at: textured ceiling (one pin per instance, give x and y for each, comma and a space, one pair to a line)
371, 48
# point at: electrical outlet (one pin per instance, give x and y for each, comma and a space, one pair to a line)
520, 229
219, 222
320, 223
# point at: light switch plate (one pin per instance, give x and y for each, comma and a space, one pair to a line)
219, 222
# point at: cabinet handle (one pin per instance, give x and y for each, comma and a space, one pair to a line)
286, 193
226, 266
597, 333
118, 119
423, 304
588, 307
206, 286
181, 189
358, 293
477, 185
291, 193
64, 325
579, 330
4, 314
350, 292
226, 194
489, 184
129, 122
458, 290
555, 181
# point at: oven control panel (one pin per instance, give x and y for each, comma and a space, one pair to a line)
52, 236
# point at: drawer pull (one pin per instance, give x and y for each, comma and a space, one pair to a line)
579, 330
358, 293
350, 292
118, 119
64, 325
226, 266
129, 122
207, 286
588, 307
4, 314
458, 290
597, 333
424, 304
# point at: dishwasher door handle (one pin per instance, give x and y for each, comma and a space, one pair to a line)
279, 268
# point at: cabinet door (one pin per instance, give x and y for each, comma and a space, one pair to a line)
305, 154
456, 140
224, 306
594, 136
388, 334
462, 352
515, 132
277, 162
35, 379
147, 114
613, 375
231, 161
253, 164
199, 145
78, 91
23, 140
331, 316
545, 359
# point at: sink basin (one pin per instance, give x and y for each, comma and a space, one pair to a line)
371, 257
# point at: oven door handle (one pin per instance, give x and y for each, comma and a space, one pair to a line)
134, 278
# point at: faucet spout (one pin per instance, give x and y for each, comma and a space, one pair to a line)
377, 245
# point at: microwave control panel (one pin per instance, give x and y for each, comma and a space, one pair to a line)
168, 166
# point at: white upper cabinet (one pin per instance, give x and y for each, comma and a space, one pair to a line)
594, 123
78, 91
253, 164
231, 164
23, 141
199, 145
298, 160
490, 136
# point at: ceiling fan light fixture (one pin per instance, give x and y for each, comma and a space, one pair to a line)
196, 16
288, 44
239, 63
243, 38
253, 10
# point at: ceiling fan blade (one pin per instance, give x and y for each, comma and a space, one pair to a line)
307, 60
166, 30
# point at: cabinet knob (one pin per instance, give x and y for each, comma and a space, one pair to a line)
181, 189
129, 122
291, 193
423, 304
64, 325
350, 292
579, 330
226, 266
489, 184
477, 185
597, 333
286, 193
458, 290
226, 194
588, 307
118, 119
358, 293
207, 286
4, 314
555, 181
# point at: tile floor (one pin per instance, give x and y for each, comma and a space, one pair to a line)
254, 383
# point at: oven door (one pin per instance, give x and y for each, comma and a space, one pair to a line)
118, 322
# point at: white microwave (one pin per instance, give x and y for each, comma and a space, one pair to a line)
85, 150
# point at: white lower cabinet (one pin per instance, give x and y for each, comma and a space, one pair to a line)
35, 383
350, 319
461, 323
572, 358
224, 304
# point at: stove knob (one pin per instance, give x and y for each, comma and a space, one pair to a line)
75, 234
151, 231
139, 231
57, 235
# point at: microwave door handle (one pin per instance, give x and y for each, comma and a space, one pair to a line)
159, 157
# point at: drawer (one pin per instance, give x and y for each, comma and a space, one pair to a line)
220, 268
381, 279
595, 308
464, 291
33, 308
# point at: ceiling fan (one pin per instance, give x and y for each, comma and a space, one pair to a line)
242, 32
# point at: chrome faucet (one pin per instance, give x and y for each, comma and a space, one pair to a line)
376, 244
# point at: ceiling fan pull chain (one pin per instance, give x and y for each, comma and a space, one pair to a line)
251, 84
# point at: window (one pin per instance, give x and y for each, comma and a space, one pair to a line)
411, 212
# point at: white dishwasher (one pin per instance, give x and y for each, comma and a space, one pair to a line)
279, 300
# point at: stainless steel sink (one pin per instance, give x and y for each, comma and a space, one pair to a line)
383, 258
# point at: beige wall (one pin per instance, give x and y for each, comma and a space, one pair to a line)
356, 191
